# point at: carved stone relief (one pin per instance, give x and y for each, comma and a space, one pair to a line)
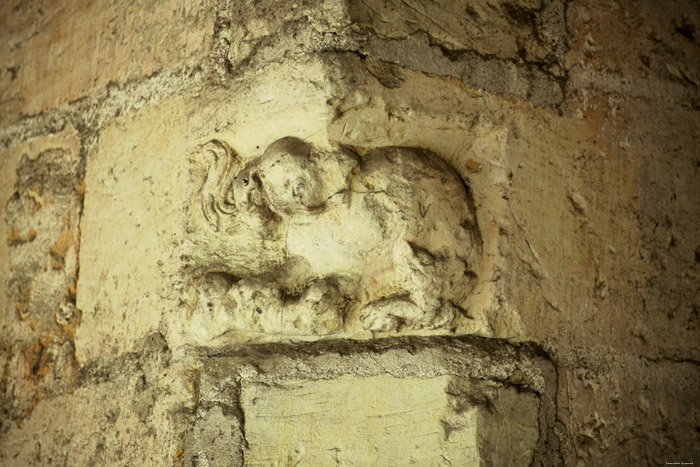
311, 241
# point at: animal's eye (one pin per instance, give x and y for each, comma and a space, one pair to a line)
245, 181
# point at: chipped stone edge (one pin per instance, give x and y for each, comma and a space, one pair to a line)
423, 357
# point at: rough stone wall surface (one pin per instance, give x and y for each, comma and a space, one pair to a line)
354, 233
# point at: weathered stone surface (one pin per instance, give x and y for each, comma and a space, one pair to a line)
156, 200
651, 40
41, 201
573, 125
292, 401
384, 420
132, 410
380, 242
219, 434
133, 195
359, 420
647, 407
503, 29
513, 48
54, 54
8, 171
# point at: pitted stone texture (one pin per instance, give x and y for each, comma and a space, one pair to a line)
222, 435
383, 420
129, 411
56, 53
285, 28
149, 255
381, 242
503, 29
139, 194
135, 179
43, 216
40, 197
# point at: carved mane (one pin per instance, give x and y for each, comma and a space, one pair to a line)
216, 196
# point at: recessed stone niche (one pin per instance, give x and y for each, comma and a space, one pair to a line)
416, 401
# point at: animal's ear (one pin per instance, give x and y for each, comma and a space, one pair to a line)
216, 195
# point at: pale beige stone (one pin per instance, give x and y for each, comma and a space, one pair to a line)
139, 195
135, 184
380, 242
383, 420
154, 261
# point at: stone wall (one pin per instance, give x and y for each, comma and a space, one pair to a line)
333, 232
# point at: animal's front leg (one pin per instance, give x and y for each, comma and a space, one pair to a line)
401, 291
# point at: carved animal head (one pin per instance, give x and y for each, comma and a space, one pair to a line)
291, 177
285, 179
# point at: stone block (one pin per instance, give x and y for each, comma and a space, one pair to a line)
135, 179
41, 197
383, 420
282, 218
430, 401
56, 54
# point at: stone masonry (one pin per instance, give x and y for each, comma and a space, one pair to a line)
353, 233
